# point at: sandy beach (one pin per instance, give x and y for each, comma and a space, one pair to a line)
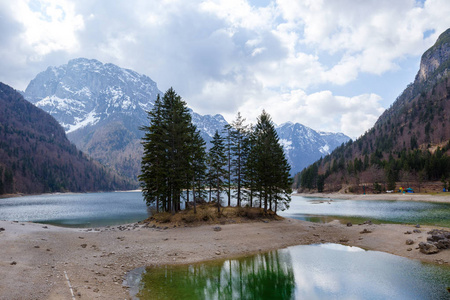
40, 261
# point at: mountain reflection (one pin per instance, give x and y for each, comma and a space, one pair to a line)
263, 276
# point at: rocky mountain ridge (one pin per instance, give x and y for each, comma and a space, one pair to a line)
304, 145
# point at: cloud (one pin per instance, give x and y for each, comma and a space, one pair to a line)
228, 56
321, 110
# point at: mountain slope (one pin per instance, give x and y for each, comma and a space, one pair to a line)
409, 143
36, 157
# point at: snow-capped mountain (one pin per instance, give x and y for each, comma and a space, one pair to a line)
208, 125
85, 92
304, 145
102, 106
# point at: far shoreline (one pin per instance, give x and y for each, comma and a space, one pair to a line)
18, 195
417, 197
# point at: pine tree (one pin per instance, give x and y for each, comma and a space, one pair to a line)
154, 161
239, 141
271, 168
228, 144
198, 165
249, 179
217, 164
172, 151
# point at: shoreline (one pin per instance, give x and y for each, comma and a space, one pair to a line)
434, 198
35, 258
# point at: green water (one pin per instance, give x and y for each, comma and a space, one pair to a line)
327, 271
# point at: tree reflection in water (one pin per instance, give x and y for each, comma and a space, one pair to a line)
263, 276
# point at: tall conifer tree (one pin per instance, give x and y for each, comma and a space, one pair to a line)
217, 165
239, 141
271, 168
170, 146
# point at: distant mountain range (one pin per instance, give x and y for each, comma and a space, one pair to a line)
410, 142
36, 156
304, 145
102, 106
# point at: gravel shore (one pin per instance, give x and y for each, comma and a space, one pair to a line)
47, 262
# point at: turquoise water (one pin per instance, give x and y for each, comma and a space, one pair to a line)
326, 271
319, 209
76, 210
102, 209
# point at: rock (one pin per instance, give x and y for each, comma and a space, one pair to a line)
83, 245
13, 263
217, 228
96, 290
217, 252
439, 238
443, 244
417, 231
2, 229
349, 224
365, 231
408, 232
409, 242
45, 227
343, 240
37, 247
417, 226
409, 249
428, 248
368, 222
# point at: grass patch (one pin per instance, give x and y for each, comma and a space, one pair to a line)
207, 214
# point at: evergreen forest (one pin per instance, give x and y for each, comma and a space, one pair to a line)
246, 162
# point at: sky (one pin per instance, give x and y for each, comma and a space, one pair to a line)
332, 65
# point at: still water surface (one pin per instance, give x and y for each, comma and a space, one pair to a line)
101, 209
76, 210
324, 210
326, 271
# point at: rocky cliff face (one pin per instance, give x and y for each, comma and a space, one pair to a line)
435, 59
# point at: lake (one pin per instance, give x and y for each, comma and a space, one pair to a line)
410, 212
102, 209
76, 210
325, 271
301, 272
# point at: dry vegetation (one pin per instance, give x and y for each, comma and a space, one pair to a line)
207, 214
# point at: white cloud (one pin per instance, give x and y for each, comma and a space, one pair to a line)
48, 25
224, 56
321, 110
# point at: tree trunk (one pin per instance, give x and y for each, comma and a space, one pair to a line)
218, 195
265, 202
193, 195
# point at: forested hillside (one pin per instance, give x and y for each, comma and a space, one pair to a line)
408, 146
36, 157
